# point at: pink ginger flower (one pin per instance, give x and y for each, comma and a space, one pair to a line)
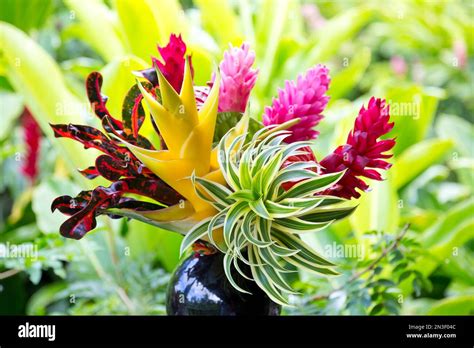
32, 139
312, 16
237, 78
460, 52
305, 99
362, 151
399, 65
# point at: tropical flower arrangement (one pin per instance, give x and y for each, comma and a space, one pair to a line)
220, 177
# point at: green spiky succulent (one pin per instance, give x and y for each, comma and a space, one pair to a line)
260, 221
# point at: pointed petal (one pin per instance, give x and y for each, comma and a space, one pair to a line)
187, 92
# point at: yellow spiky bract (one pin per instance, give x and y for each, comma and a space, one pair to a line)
188, 134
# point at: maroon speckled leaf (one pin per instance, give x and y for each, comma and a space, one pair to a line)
84, 208
93, 138
97, 100
90, 137
133, 113
85, 220
90, 172
126, 134
111, 168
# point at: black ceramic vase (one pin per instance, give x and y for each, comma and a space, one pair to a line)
199, 286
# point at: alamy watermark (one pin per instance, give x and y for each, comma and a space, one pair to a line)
17, 251
406, 109
346, 251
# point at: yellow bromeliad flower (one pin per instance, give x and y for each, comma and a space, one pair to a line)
188, 134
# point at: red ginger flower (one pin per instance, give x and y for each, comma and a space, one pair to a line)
32, 138
172, 67
304, 99
173, 56
362, 151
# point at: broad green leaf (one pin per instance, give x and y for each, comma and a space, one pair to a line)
337, 31
45, 296
417, 158
269, 30
98, 27
169, 17
458, 305
346, 80
118, 78
26, 14
378, 209
12, 107
412, 108
447, 235
144, 240
219, 19
139, 27
43, 195
443, 229
44, 91
458, 130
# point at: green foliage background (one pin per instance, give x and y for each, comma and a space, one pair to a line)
49, 46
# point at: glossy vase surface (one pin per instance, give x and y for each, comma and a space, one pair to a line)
199, 286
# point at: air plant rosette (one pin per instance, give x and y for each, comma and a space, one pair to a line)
240, 191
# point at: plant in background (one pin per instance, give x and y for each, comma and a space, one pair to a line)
370, 286
252, 194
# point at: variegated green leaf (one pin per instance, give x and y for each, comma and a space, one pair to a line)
248, 230
232, 217
217, 192
228, 258
305, 251
196, 233
324, 214
296, 225
259, 208
312, 186
264, 283
303, 263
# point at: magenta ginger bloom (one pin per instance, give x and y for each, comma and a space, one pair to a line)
305, 99
237, 78
171, 64
32, 138
362, 151
173, 57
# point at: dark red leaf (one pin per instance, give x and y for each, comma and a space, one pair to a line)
88, 204
90, 172
133, 113
85, 220
111, 168
97, 100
